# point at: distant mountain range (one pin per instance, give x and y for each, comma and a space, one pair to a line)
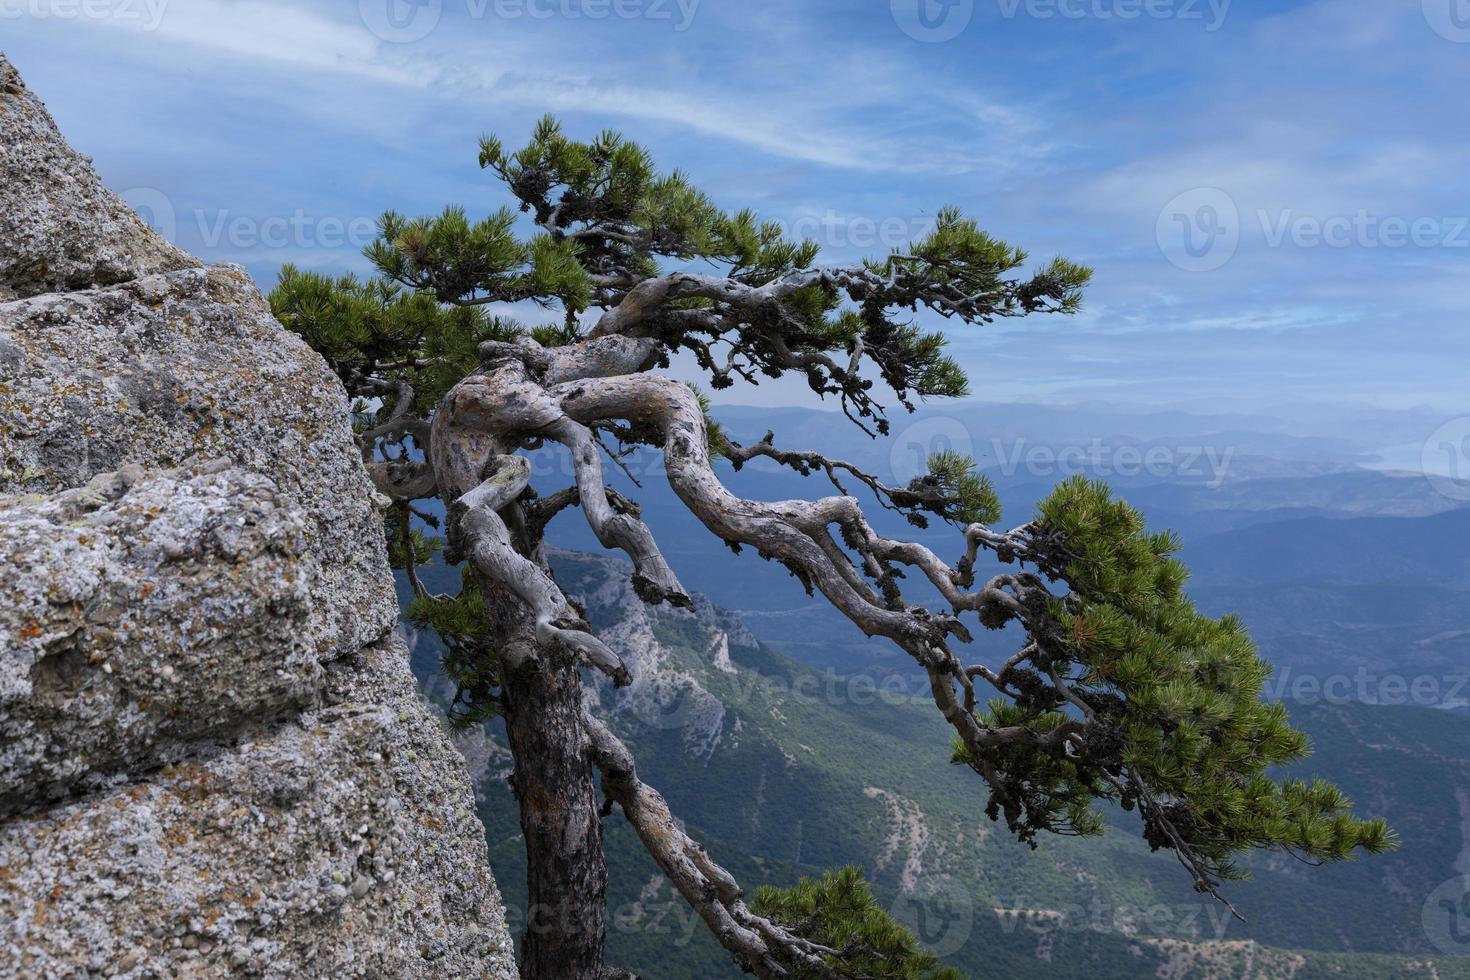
1354, 583
783, 771
1322, 551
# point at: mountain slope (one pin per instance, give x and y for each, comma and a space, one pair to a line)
1321, 551
816, 771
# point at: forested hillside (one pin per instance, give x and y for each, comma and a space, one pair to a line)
765, 756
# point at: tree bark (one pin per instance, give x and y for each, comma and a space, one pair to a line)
566, 871
541, 695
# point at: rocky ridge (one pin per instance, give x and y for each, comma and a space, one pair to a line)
662, 696
213, 760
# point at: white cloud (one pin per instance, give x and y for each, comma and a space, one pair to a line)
270, 32
792, 115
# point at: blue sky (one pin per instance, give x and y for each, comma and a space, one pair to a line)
1272, 193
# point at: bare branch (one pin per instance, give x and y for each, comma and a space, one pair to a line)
795, 533
757, 944
487, 542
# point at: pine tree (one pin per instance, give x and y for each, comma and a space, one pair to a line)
1122, 692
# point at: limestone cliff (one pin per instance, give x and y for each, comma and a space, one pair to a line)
213, 760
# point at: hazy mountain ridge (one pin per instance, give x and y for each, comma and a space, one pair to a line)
1419, 551
785, 771
785, 766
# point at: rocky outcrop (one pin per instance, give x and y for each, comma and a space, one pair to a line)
341, 844
213, 760
60, 229
662, 696
150, 609
191, 364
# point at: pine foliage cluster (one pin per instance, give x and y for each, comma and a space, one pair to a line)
1170, 707
840, 913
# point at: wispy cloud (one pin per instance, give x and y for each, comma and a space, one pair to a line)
1065, 135
797, 115
272, 33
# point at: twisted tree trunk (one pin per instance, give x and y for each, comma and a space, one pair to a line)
566, 873
541, 694
530, 394
526, 395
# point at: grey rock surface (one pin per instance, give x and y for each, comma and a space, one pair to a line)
213, 758
141, 613
164, 368
59, 227
341, 844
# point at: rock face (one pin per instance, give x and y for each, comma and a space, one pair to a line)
151, 609
661, 696
190, 364
59, 227
213, 760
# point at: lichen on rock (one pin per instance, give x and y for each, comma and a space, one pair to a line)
141, 613
60, 228
335, 845
169, 367
213, 757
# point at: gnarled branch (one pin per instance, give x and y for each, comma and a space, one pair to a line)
757, 944
486, 540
